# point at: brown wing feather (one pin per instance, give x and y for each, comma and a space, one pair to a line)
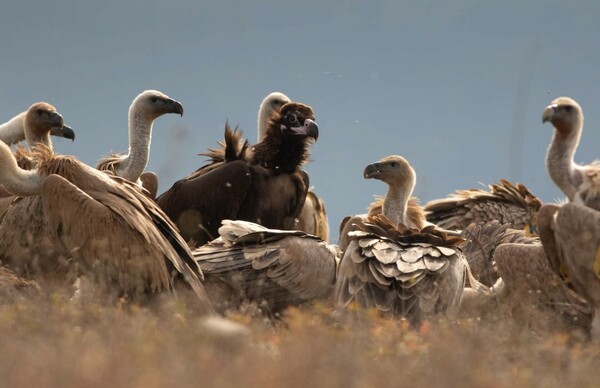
197, 205
281, 267
401, 271
511, 204
528, 276
313, 217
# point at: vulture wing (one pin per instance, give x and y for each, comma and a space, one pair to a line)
198, 204
281, 267
118, 234
407, 273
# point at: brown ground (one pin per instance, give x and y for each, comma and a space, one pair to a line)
53, 342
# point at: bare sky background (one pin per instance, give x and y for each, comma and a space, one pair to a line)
457, 88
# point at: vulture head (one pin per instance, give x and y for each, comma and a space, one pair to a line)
393, 170
152, 104
42, 119
273, 102
565, 114
295, 120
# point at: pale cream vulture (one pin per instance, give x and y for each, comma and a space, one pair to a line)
275, 268
392, 265
145, 108
570, 233
114, 233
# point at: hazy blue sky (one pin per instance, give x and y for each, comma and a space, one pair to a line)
457, 87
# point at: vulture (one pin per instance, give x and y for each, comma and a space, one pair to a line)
13, 131
580, 183
277, 268
313, 217
264, 184
145, 108
535, 290
35, 125
392, 265
105, 224
508, 203
570, 233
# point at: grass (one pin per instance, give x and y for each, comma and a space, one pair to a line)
53, 342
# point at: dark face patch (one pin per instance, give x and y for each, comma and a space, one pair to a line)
294, 114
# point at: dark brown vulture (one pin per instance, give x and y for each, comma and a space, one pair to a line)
313, 217
263, 184
507, 203
249, 262
398, 269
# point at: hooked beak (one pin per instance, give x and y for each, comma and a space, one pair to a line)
371, 171
309, 128
548, 114
176, 107
64, 131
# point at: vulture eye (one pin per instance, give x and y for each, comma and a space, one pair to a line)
276, 102
293, 118
154, 99
568, 108
394, 164
40, 112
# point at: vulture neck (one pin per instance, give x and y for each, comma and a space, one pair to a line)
16, 180
262, 124
140, 134
12, 131
560, 160
283, 154
396, 202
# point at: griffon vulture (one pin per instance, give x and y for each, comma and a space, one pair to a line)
36, 125
510, 204
249, 262
114, 233
393, 266
580, 183
263, 185
13, 131
145, 108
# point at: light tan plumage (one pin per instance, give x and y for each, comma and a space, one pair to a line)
505, 202
145, 108
115, 233
570, 235
580, 183
249, 262
400, 270
536, 292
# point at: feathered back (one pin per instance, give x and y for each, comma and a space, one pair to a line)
510, 204
414, 211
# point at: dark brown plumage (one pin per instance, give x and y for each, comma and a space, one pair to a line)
249, 262
507, 203
263, 185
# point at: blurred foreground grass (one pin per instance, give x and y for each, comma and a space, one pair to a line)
53, 342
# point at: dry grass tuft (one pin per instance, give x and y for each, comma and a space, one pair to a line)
54, 342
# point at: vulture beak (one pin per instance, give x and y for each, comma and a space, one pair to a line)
309, 128
371, 171
176, 107
64, 131
548, 114
56, 119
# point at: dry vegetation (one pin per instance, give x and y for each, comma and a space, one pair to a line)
54, 342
